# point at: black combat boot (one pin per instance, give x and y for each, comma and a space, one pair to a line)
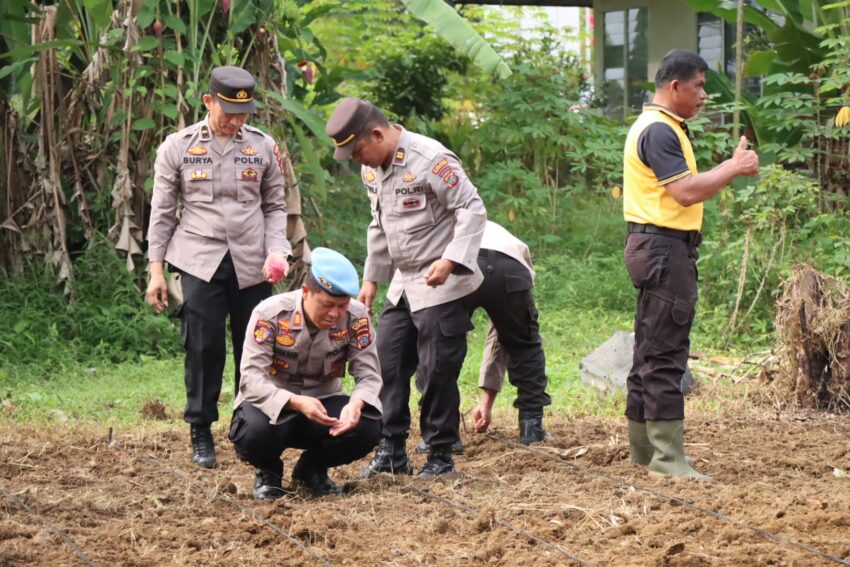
203, 447
531, 427
439, 463
391, 457
457, 448
314, 478
268, 483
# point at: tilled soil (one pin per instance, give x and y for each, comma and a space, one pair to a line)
139, 501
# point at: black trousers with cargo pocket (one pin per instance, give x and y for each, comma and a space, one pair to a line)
507, 298
206, 306
261, 443
663, 270
434, 339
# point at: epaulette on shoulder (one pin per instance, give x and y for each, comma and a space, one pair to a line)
255, 130
269, 308
357, 309
426, 147
189, 130
180, 138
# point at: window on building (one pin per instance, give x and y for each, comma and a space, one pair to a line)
716, 44
625, 59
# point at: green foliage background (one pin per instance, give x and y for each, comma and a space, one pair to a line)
545, 163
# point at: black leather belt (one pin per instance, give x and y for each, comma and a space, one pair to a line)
691, 236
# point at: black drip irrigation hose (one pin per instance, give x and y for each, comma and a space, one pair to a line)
245, 509
464, 508
66, 539
717, 515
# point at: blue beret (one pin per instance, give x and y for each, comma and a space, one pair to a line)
334, 273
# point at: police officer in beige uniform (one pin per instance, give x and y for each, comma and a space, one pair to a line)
291, 397
229, 244
427, 223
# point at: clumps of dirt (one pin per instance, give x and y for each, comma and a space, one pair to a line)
813, 340
486, 519
520, 507
154, 410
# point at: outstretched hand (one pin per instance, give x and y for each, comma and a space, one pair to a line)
349, 417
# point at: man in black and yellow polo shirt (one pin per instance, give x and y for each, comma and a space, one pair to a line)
663, 205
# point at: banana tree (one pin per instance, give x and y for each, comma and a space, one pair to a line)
452, 27
801, 34
89, 89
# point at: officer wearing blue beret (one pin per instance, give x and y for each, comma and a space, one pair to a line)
290, 395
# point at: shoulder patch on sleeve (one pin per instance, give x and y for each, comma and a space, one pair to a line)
441, 166
263, 331
278, 156
361, 332
443, 169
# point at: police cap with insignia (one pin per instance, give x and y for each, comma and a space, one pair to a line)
349, 120
233, 88
334, 273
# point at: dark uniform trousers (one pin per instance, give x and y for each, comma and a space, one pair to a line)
434, 339
663, 269
203, 316
507, 298
261, 443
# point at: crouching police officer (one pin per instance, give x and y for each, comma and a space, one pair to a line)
290, 395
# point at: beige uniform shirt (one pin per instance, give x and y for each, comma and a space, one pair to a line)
494, 360
424, 208
282, 358
233, 199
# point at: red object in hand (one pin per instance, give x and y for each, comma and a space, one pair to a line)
276, 271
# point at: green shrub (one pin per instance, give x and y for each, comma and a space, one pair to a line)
107, 320
411, 80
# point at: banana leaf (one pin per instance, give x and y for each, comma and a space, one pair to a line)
452, 27
310, 119
728, 11
312, 162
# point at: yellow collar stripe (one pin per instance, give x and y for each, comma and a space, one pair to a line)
222, 97
345, 141
667, 111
